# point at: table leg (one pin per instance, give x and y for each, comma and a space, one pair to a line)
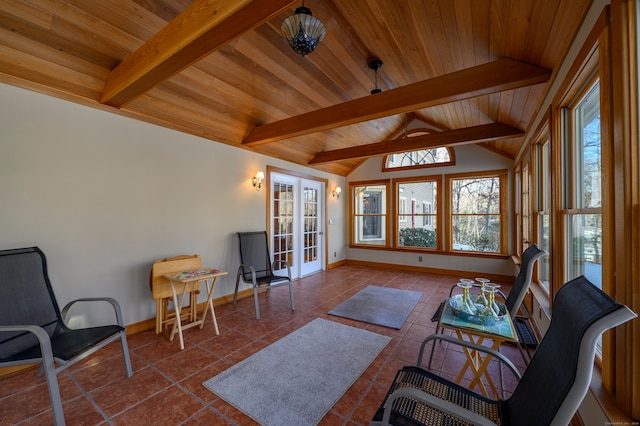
472, 362
159, 315
177, 304
209, 304
478, 364
482, 371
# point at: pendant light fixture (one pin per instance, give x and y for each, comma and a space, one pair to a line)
374, 64
303, 31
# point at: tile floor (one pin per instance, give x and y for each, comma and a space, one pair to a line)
166, 387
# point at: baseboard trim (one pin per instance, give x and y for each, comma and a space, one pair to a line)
460, 274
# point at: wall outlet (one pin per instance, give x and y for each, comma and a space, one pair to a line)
335, 254
419, 258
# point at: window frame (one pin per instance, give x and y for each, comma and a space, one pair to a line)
436, 218
502, 176
542, 200
384, 214
415, 133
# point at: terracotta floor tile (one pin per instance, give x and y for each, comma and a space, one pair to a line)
119, 395
170, 407
185, 363
167, 385
79, 411
207, 417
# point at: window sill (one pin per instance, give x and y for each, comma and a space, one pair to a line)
607, 402
432, 251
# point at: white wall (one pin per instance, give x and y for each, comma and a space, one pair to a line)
104, 196
469, 158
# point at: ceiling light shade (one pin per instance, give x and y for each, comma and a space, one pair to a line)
303, 31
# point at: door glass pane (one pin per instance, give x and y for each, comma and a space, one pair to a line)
282, 246
311, 227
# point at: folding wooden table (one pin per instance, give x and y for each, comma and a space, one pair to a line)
475, 332
184, 281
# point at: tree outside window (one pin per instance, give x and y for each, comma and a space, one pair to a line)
476, 205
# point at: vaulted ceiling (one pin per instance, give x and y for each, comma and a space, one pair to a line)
474, 70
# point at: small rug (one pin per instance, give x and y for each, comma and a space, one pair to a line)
385, 306
296, 380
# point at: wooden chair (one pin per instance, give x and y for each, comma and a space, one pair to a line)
161, 288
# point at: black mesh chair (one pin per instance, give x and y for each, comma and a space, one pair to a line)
257, 269
33, 330
550, 390
519, 289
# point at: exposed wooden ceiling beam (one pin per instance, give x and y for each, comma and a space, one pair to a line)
504, 74
202, 28
475, 134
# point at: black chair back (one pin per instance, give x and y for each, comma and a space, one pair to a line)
554, 366
26, 297
254, 251
523, 279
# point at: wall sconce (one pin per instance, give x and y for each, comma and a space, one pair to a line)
257, 180
336, 193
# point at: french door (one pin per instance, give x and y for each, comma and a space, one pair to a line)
297, 222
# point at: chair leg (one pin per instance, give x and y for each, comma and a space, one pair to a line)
293, 302
125, 353
54, 391
235, 293
255, 301
433, 347
522, 351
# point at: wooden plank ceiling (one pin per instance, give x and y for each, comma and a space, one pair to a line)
476, 70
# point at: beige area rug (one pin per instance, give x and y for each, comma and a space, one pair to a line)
385, 306
296, 380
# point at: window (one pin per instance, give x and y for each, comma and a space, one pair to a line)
402, 209
542, 152
526, 207
430, 157
422, 157
583, 217
583, 186
370, 212
427, 208
416, 227
476, 205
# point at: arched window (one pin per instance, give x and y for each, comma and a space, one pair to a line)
429, 157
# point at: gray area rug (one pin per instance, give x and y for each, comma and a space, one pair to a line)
296, 380
388, 307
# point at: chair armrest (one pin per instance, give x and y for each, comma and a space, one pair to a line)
251, 269
43, 339
113, 302
282, 262
435, 402
469, 345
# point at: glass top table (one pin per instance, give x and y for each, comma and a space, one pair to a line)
476, 332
